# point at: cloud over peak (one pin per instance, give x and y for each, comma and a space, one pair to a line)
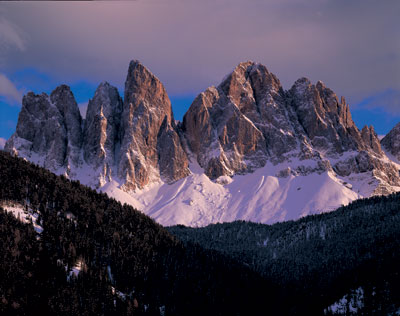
9, 90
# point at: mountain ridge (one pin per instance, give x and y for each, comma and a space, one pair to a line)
134, 150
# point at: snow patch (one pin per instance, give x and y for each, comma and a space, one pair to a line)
78, 267
348, 304
25, 216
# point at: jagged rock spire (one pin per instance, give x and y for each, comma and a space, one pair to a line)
146, 106
102, 129
240, 125
49, 127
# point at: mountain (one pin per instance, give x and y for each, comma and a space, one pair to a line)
150, 146
249, 119
391, 143
134, 141
246, 149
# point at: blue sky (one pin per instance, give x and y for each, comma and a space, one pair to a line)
353, 46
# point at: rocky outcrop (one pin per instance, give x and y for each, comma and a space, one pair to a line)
102, 129
146, 106
391, 142
235, 127
172, 159
64, 101
371, 139
249, 120
48, 130
221, 136
326, 122
134, 142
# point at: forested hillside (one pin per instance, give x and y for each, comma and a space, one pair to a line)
319, 259
127, 263
95, 256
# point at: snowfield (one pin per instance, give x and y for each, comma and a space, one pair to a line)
259, 197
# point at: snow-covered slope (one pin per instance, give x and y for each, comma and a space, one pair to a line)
261, 196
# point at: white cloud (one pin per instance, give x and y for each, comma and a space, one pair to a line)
83, 108
10, 34
9, 90
2, 142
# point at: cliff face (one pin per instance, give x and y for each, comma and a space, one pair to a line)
391, 142
102, 131
48, 129
146, 107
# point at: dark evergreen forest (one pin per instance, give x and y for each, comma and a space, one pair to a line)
133, 266
318, 259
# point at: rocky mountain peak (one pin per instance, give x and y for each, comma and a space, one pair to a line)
146, 106
105, 101
35, 108
371, 139
325, 121
301, 84
63, 98
142, 86
37, 105
249, 80
249, 119
49, 127
234, 128
101, 132
134, 141
391, 142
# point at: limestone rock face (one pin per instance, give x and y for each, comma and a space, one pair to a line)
235, 127
326, 122
133, 142
371, 139
172, 159
64, 101
101, 133
48, 130
146, 106
391, 142
220, 135
249, 120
